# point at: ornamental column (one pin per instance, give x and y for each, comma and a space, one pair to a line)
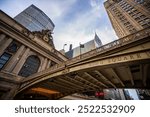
5, 45
44, 64
21, 61
2, 37
48, 64
13, 61
10, 94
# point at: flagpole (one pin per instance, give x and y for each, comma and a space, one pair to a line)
80, 49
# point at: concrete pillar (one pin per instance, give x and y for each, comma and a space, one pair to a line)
10, 94
21, 62
5, 45
2, 37
44, 64
13, 61
48, 64
122, 96
41, 64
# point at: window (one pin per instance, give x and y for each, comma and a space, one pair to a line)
139, 1
30, 66
13, 47
3, 59
52, 63
145, 25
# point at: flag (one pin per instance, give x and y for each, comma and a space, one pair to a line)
81, 45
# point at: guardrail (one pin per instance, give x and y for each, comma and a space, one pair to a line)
115, 44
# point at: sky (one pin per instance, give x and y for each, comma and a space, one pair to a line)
76, 21
133, 94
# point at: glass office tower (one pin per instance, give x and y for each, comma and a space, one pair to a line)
34, 19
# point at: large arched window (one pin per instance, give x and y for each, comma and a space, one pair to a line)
30, 66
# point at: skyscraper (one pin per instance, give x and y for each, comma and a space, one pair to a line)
25, 52
34, 19
128, 16
83, 48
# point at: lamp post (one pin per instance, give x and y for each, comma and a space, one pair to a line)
64, 46
80, 48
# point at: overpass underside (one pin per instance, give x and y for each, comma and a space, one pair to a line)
124, 63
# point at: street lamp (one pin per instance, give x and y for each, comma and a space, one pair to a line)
64, 46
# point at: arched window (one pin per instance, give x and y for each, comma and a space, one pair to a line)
30, 66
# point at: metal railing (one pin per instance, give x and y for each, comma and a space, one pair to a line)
112, 45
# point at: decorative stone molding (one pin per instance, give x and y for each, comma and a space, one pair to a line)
46, 35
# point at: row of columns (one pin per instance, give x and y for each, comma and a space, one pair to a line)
16, 62
18, 59
45, 64
21, 61
13, 61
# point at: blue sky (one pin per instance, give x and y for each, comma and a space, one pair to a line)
76, 21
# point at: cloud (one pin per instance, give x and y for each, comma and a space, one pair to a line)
79, 26
95, 3
53, 8
82, 28
77, 30
107, 35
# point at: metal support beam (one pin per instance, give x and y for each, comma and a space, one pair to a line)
53, 87
116, 76
59, 85
103, 77
94, 79
77, 82
127, 69
64, 84
88, 82
143, 73
63, 80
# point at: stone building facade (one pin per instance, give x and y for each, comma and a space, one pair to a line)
128, 16
23, 53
